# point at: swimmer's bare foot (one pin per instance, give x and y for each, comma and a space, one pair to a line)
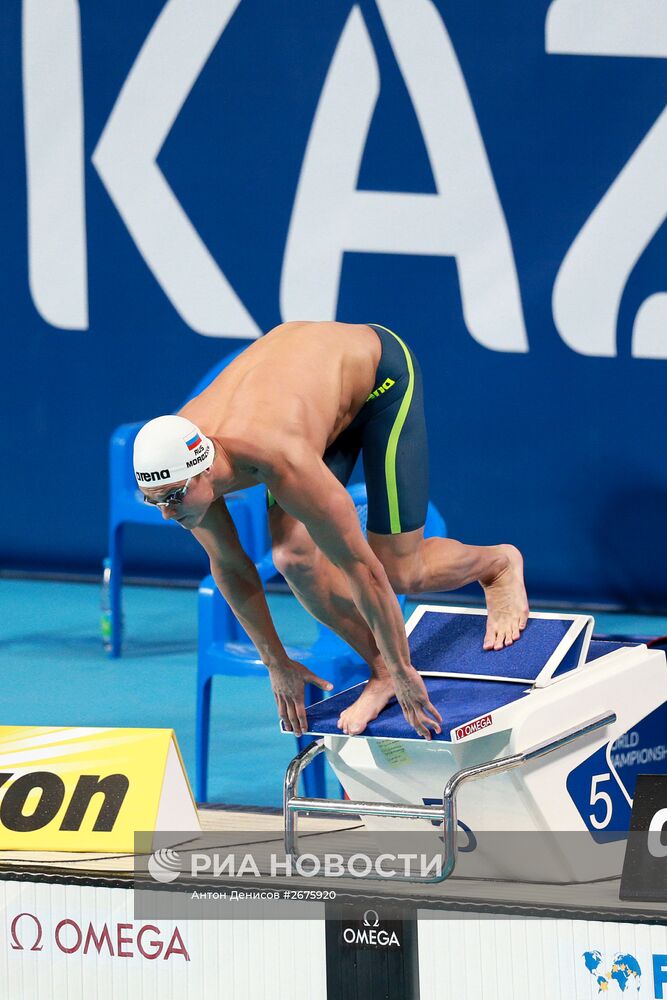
506, 599
377, 693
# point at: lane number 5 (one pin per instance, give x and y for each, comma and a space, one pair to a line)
599, 796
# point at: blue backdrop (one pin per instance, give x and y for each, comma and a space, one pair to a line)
486, 179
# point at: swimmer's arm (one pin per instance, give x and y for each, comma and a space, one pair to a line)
238, 581
305, 488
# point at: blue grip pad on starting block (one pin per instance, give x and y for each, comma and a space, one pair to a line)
600, 647
453, 644
457, 699
475, 682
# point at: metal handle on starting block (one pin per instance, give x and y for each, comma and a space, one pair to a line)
293, 804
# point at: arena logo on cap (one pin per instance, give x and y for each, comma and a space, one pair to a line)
151, 477
473, 727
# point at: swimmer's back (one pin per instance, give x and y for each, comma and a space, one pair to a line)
304, 378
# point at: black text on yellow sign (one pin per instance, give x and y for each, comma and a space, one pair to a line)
76, 789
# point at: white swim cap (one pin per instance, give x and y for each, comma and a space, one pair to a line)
169, 450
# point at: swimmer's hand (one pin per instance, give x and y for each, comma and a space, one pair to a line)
287, 681
414, 701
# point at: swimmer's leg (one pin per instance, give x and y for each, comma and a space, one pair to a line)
324, 591
395, 453
415, 564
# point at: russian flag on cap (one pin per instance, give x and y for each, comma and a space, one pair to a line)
193, 441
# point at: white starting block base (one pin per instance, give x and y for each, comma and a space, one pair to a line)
584, 786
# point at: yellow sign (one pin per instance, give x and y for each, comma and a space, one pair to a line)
80, 789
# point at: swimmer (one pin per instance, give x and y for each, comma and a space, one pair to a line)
293, 412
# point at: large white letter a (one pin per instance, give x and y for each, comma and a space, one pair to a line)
464, 219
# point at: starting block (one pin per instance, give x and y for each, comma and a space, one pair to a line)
545, 736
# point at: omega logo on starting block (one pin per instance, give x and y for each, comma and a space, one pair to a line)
473, 727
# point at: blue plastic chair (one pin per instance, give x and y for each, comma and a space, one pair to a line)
126, 506
224, 648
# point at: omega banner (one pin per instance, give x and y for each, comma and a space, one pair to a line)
64, 789
80, 941
76, 940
